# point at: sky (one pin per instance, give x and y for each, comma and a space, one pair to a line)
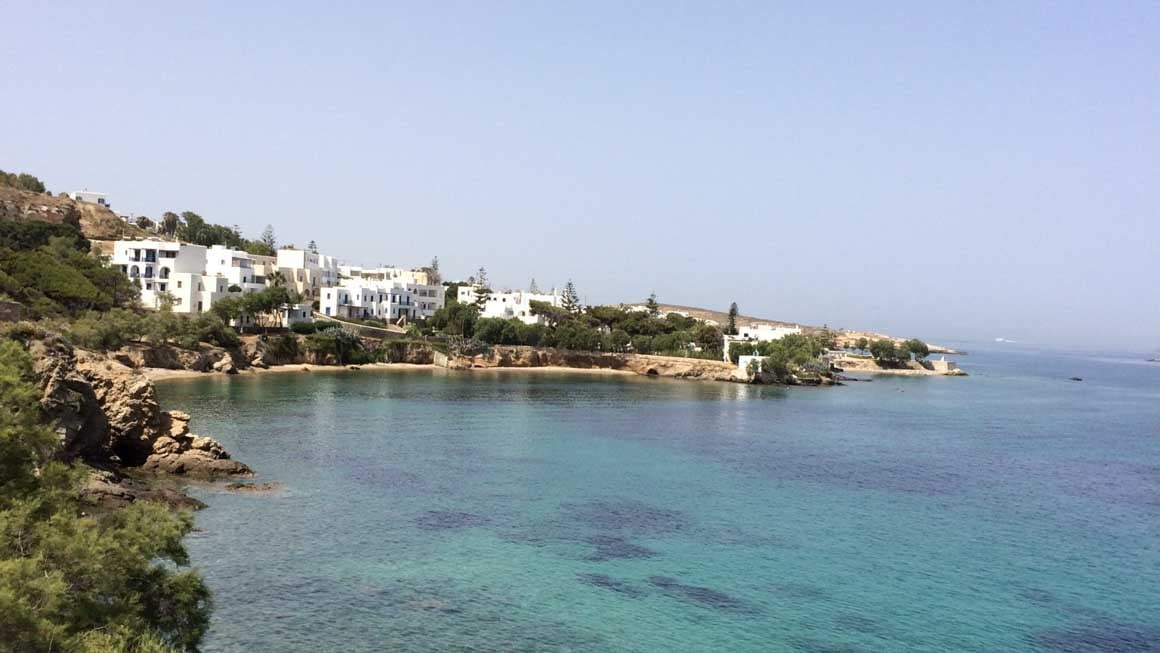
950, 171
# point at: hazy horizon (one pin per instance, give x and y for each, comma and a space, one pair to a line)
950, 173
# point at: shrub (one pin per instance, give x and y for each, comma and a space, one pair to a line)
106, 331
283, 347
304, 328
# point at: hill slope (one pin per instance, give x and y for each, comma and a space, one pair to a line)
95, 222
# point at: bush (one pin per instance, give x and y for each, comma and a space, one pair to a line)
283, 347
304, 328
106, 331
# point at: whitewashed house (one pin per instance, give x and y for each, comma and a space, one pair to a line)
385, 273
375, 300
307, 272
758, 333
509, 304
295, 314
90, 197
161, 266
236, 266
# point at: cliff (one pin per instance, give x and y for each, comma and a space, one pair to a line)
107, 415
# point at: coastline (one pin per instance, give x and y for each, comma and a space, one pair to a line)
159, 374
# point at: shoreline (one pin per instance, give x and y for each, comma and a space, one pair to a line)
160, 374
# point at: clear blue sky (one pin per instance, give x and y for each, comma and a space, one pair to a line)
943, 170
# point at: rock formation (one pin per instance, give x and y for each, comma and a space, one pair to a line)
106, 413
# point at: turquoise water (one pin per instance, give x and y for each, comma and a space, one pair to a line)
1012, 510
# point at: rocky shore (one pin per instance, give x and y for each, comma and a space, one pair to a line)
106, 415
905, 368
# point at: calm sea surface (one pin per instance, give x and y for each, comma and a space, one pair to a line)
1012, 510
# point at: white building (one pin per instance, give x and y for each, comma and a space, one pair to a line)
236, 266
307, 272
90, 197
758, 333
385, 273
389, 301
295, 314
160, 266
509, 303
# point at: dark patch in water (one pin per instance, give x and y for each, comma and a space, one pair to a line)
609, 583
444, 520
631, 516
1102, 637
617, 548
705, 596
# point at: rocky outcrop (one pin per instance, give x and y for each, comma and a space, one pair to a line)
106, 413
177, 451
206, 358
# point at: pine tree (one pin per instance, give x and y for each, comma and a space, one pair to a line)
481, 277
267, 237
731, 329
654, 309
481, 294
533, 288
571, 300
312, 247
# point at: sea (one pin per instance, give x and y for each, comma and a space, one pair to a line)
1014, 509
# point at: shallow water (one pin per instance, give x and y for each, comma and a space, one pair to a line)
424, 510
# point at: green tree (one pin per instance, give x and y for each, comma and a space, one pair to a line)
552, 314
144, 222
884, 350
619, 340
170, 222
75, 582
481, 293
571, 299
267, 238
533, 288
456, 319
654, 309
862, 345
917, 347
731, 326
312, 247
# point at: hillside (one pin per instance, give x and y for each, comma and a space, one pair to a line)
95, 222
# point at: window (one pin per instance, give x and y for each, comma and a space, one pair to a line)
178, 283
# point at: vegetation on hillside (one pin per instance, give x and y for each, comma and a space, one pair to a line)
22, 181
192, 228
70, 581
48, 268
